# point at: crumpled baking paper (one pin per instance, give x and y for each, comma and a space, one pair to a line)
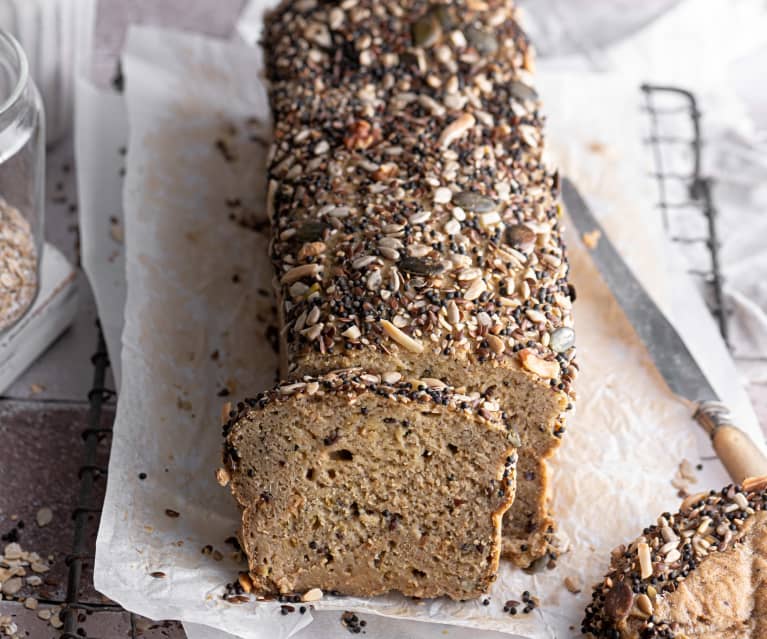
196, 323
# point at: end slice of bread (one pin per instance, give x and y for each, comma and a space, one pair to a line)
698, 573
348, 483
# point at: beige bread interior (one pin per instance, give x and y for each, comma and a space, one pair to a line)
364, 494
725, 597
532, 410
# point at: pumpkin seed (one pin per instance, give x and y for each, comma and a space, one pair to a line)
482, 41
418, 266
426, 31
470, 201
440, 12
618, 601
562, 339
522, 91
309, 231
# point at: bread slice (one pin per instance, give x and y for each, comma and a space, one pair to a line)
351, 484
699, 574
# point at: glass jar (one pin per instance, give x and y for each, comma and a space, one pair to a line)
22, 183
57, 35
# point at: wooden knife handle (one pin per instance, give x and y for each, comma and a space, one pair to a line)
737, 452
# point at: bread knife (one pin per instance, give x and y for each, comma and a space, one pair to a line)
737, 452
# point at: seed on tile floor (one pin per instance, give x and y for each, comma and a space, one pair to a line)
13, 551
44, 516
12, 586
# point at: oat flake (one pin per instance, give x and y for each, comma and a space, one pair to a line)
18, 265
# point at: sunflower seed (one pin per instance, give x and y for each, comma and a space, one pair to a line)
362, 261
456, 129
529, 135
535, 316
419, 218
488, 220
335, 18
573, 584
453, 313
373, 282
429, 103
12, 586
392, 377
644, 604
673, 556
741, 500
389, 253
313, 332
476, 288
299, 272
469, 274
313, 316
496, 344
391, 242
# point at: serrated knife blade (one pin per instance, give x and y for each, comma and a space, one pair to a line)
667, 349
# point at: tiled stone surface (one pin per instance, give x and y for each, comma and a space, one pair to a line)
42, 452
96, 624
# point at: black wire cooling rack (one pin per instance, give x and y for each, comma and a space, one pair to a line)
88, 473
683, 189
660, 104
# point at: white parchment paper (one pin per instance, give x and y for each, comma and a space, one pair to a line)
195, 323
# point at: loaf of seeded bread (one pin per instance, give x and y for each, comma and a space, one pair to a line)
700, 573
354, 484
415, 227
